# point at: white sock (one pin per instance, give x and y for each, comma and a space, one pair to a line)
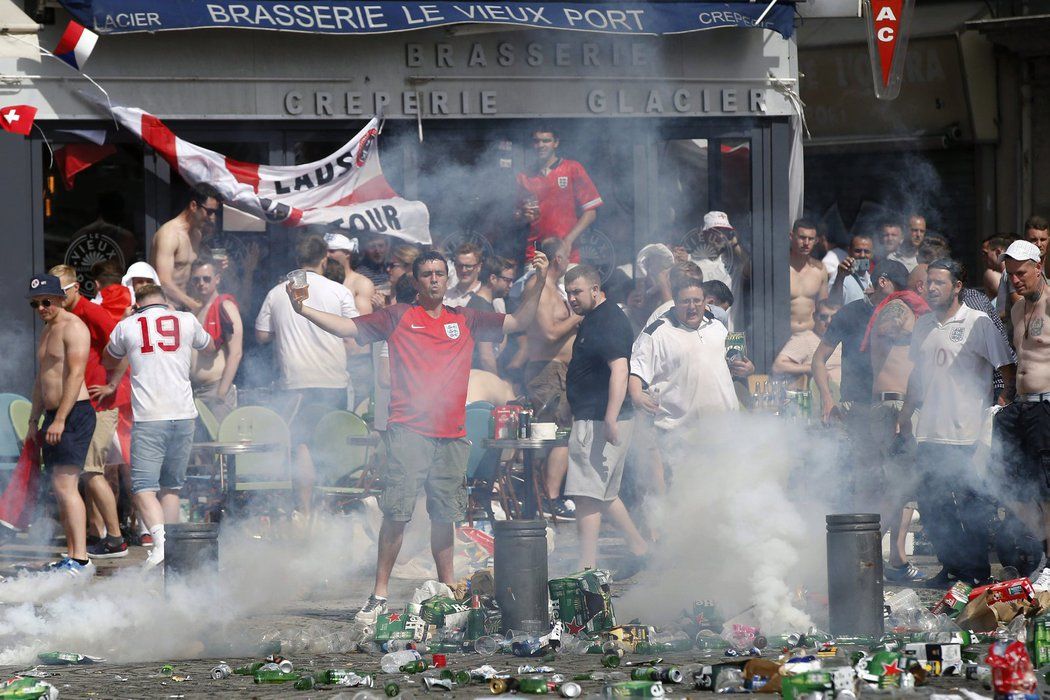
158, 535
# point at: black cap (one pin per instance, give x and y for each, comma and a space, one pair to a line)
45, 286
895, 272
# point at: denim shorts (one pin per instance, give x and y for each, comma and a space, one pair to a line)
160, 453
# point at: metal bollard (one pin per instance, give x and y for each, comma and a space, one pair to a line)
855, 598
520, 571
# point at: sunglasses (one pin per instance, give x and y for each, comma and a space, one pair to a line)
46, 303
508, 280
69, 286
209, 211
206, 279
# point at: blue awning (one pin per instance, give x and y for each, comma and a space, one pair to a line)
382, 16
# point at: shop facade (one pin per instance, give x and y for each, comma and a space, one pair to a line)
668, 127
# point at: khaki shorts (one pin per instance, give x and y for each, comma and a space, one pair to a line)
437, 465
545, 388
101, 441
596, 465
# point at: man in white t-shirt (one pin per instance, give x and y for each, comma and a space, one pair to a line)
954, 350
467, 262
679, 373
311, 361
158, 344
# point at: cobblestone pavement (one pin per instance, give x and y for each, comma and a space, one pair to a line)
114, 679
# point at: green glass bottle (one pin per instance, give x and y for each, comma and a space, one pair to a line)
415, 667
392, 689
533, 686
250, 669
275, 677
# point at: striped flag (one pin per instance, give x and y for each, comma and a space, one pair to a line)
76, 45
346, 189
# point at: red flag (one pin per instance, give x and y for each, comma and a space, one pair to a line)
77, 157
17, 119
19, 498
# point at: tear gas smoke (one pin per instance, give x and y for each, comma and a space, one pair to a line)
130, 617
741, 524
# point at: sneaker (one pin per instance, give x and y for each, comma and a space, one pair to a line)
631, 565
154, 559
906, 573
1042, 581
562, 508
146, 540
74, 569
104, 549
371, 610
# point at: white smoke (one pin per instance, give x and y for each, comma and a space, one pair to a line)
742, 525
131, 616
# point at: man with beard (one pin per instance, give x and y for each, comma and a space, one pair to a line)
954, 350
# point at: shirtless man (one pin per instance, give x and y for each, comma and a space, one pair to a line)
809, 279
890, 343
60, 395
549, 345
177, 244
212, 374
358, 359
991, 248
1022, 428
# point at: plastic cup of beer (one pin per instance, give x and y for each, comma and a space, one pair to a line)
297, 278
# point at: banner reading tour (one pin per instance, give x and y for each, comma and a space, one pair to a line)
346, 189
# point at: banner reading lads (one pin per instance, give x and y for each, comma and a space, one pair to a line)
346, 190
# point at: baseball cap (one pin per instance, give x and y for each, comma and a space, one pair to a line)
337, 241
894, 271
1021, 251
45, 286
716, 219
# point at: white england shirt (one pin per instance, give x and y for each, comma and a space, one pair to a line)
953, 363
159, 345
686, 369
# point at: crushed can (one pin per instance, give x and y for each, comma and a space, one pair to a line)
432, 683
584, 600
635, 689
570, 690
221, 672
954, 600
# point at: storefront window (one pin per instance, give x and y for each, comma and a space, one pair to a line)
93, 206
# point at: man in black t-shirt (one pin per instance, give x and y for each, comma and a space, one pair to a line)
596, 386
497, 274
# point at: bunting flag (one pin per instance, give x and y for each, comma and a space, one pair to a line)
76, 45
78, 157
18, 119
345, 190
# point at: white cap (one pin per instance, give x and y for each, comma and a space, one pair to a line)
1021, 251
716, 219
337, 241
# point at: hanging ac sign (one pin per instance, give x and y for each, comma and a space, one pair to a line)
889, 22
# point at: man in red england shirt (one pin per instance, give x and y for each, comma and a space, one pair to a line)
431, 346
555, 189
101, 502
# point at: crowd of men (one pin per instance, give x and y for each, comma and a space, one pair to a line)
907, 362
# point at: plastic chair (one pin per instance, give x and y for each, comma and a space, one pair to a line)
265, 471
19, 411
207, 419
10, 438
341, 469
482, 462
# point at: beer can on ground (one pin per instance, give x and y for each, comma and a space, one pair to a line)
636, 689
498, 686
221, 671
392, 689
570, 690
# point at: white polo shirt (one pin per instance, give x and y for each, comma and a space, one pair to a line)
456, 298
159, 345
686, 369
308, 356
953, 363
